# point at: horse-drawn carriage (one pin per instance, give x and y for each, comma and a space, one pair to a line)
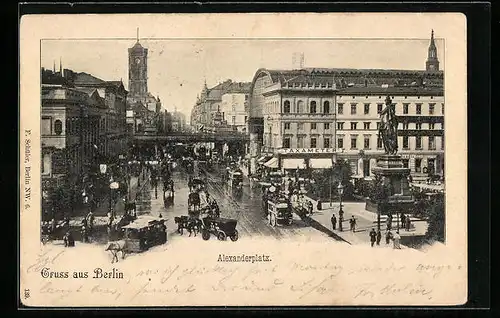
48, 233
188, 164
220, 227
168, 197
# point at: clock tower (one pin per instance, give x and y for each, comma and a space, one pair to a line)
138, 70
432, 63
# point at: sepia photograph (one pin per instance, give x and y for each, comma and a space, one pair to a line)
204, 169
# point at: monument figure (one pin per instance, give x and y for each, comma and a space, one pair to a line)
388, 130
391, 176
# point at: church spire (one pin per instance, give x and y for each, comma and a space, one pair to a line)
60, 66
432, 63
137, 35
54, 69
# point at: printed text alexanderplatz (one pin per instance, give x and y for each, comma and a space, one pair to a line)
243, 258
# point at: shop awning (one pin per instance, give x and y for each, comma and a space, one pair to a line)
263, 159
272, 163
320, 163
294, 163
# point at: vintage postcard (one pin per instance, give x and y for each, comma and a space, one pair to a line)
243, 160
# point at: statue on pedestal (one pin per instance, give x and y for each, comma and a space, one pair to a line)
388, 130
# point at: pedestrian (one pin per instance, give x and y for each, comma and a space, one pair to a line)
352, 222
318, 205
85, 237
310, 207
379, 236
403, 218
396, 238
408, 223
69, 240
388, 237
334, 222
373, 237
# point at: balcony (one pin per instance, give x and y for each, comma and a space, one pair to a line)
424, 132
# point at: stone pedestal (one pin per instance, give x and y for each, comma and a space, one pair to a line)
394, 176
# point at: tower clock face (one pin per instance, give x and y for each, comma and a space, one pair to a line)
137, 61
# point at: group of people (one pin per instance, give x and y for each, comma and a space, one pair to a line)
405, 222
340, 222
375, 238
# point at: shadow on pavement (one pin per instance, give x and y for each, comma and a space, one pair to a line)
318, 226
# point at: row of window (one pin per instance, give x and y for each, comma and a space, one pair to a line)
354, 108
367, 126
366, 142
300, 126
380, 107
313, 109
354, 126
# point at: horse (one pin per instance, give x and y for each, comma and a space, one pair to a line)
194, 226
182, 223
115, 247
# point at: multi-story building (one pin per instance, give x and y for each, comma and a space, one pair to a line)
311, 117
208, 111
115, 121
235, 110
178, 121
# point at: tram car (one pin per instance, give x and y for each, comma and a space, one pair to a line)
279, 211
235, 181
143, 233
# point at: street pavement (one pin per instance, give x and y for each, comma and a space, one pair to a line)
247, 210
365, 221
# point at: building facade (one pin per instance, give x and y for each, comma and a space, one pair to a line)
235, 110
208, 113
316, 116
140, 99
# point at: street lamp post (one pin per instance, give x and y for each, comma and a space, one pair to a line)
340, 190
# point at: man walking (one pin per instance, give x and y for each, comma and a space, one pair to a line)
396, 240
388, 236
407, 224
379, 236
334, 222
352, 222
373, 237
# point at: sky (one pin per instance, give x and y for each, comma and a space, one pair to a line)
177, 68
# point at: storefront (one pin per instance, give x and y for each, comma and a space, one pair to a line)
300, 159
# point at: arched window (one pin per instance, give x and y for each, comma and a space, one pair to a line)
58, 127
286, 107
300, 106
326, 107
312, 109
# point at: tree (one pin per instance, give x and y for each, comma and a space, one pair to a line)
341, 171
436, 220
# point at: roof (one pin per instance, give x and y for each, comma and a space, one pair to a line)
83, 78
88, 90
228, 86
358, 80
137, 47
142, 222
